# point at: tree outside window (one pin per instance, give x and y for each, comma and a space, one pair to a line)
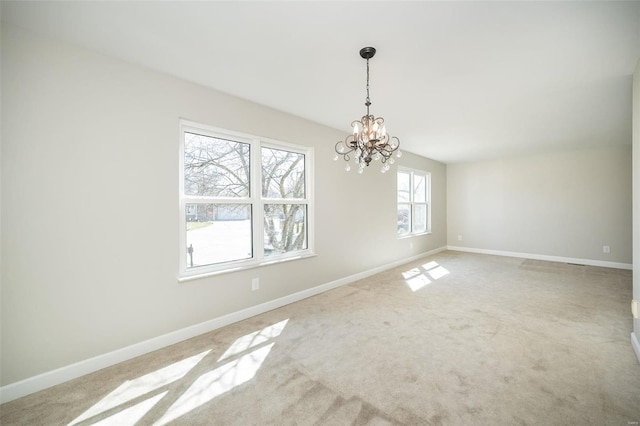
226, 220
413, 188
283, 183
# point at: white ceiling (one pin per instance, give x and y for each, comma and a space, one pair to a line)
455, 81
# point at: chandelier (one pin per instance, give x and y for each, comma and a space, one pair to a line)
370, 140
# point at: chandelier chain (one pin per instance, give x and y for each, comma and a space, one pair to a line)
368, 100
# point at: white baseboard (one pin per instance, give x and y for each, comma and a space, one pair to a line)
635, 344
589, 262
69, 372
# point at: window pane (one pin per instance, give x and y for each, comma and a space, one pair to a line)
282, 174
218, 233
419, 188
404, 219
215, 167
420, 218
404, 185
285, 228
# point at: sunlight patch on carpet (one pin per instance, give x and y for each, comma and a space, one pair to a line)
132, 389
419, 277
216, 382
131, 415
254, 339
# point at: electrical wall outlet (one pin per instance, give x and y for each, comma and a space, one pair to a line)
459, 237
606, 249
255, 284
634, 308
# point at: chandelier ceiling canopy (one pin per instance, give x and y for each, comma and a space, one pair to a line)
369, 140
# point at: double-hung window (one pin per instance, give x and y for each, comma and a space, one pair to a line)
244, 200
414, 212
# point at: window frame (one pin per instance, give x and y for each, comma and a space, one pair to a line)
412, 203
254, 199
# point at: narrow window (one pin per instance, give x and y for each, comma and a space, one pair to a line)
285, 205
216, 180
413, 190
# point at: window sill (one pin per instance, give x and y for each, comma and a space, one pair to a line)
402, 237
186, 278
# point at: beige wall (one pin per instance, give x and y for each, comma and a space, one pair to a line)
566, 204
636, 192
90, 206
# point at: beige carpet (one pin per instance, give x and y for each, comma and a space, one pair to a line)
453, 339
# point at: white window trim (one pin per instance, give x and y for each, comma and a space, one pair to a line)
412, 203
254, 199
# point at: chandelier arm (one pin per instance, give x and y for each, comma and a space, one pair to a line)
390, 147
384, 140
349, 149
387, 149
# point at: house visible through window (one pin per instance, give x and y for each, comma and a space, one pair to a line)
414, 189
244, 200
